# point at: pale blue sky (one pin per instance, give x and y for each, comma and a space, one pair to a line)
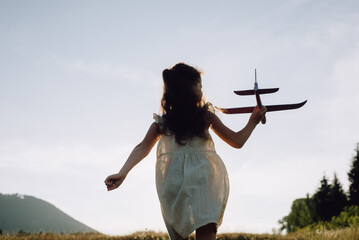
80, 80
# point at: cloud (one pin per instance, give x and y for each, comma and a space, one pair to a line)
346, 74
342, 106
58, 159
112, 71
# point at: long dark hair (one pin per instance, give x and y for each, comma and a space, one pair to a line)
184, 108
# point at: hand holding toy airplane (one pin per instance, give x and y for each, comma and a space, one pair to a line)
256, 91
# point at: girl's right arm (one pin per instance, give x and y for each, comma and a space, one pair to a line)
236, 139
138, 153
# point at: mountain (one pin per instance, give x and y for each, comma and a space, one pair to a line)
30, 214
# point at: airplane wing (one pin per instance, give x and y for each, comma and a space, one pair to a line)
282, 107
271, 108
236, 110
261, 91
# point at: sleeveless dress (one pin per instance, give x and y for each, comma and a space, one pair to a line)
192, 184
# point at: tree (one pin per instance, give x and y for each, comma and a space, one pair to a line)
338, 197
353, 176
299, 217
329, 203
329, 200
322, 201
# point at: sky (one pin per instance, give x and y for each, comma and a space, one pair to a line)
80, 81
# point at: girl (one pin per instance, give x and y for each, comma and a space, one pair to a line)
191, 179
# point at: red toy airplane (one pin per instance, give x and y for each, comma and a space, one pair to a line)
256, 91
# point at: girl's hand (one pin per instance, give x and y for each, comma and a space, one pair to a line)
114, 181
258, 114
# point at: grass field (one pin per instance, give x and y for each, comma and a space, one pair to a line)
319, 234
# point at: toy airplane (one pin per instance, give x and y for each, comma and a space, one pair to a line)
256, 91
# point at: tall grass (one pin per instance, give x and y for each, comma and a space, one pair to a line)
305, 234
325, 234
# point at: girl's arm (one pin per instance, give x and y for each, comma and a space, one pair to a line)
138, 153
236, 139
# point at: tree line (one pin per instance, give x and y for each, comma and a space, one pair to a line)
329, 203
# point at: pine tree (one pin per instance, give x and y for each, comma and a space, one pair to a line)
322, 201
338, 197
353, 176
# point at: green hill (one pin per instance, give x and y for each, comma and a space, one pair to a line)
34, 215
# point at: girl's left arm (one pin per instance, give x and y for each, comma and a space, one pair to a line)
138, 153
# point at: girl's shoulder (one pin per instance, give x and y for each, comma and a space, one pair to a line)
210, 113
159, 120
209, 107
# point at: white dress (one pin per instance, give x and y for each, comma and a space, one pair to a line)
192, 184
